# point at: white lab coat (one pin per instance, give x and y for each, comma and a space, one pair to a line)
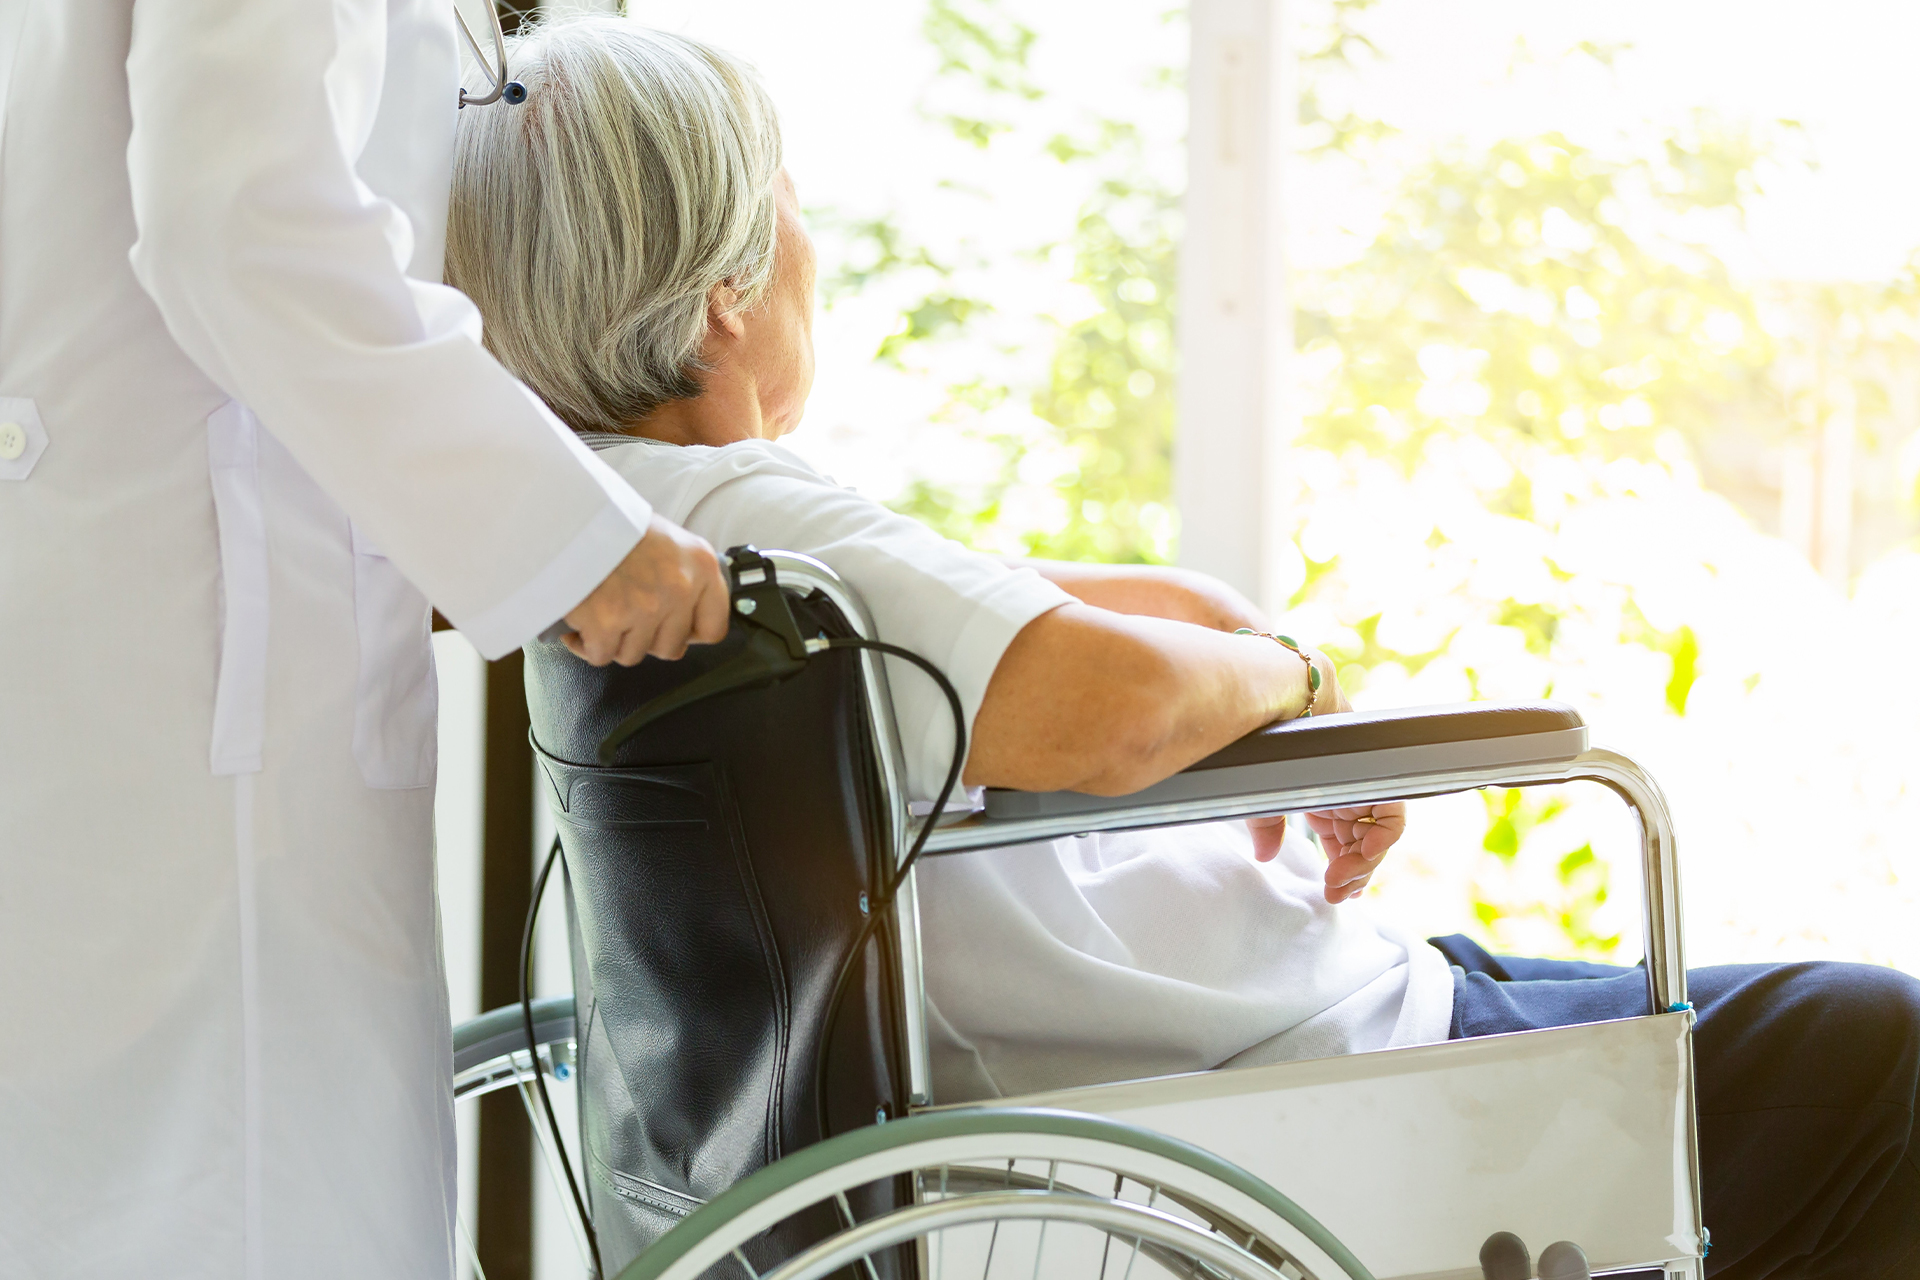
223, 1036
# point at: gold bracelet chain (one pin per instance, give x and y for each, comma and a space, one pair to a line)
1313, 672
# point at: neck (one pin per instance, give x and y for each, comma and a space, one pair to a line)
726, 410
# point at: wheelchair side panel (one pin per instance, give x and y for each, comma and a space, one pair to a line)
1413, 1157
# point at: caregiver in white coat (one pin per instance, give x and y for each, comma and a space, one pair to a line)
239, 420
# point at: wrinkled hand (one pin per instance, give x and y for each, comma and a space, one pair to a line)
668, 593
1267, 831
1355, 840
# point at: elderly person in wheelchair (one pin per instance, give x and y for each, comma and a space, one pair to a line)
640, 260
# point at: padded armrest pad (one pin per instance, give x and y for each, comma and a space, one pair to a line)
1354, 731
1357, 747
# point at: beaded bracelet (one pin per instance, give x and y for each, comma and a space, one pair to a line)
1313, 672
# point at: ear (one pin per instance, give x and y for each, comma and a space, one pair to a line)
723, 312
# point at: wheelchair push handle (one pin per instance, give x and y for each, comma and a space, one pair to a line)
774, 648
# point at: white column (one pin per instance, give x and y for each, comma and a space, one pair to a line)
1236, 322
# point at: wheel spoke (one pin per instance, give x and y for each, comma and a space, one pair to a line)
846, 1211
1106, 1247
994, 1239
940, 1240
1040, 1247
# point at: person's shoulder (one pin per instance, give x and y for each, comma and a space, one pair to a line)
742, 456
675, 477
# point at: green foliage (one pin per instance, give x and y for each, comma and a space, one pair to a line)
1109, 393
875, 249
978, 41
1335, 40
1506, 298
1507, 901
936, 314
1512, 814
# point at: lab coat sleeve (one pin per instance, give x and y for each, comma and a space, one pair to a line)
283, 275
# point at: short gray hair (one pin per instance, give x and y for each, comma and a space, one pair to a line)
590, 222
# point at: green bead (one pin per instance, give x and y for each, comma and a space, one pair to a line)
1313, 679
1245, 631
1289, 641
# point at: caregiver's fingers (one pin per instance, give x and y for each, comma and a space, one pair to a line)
1267, 831
669, 588
670, 640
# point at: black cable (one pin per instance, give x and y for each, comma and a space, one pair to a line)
533, 1052
877, 910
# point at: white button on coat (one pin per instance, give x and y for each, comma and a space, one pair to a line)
22, 437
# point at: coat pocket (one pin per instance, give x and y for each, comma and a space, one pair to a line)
396, 694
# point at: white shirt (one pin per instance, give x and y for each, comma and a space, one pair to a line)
1077, 960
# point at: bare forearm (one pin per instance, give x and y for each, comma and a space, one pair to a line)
1087, 699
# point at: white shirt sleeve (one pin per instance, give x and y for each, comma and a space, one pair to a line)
954, 607
283, 274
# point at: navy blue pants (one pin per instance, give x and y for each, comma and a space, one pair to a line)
1806, 1077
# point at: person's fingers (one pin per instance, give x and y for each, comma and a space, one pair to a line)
670, 641
1346, 867
712, 611
1374, 841
593, 643
1268, 831
636, 642
1336, 893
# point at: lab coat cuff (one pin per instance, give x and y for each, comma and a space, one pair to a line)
568, 578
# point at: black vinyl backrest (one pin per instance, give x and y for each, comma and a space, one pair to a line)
716, 872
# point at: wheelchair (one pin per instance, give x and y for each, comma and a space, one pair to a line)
749, 1045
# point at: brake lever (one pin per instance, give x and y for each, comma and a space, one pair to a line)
774, 649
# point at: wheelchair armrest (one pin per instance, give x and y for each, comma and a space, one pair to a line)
1396, 749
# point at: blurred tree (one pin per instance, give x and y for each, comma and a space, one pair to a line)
1108, 395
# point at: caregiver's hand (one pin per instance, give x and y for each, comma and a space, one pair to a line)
668, 593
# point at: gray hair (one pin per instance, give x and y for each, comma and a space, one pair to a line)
591, 222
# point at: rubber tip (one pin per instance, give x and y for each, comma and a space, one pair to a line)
515, 93
1564, 1260
1504, 1257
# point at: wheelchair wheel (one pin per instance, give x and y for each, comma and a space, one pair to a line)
1006, 1192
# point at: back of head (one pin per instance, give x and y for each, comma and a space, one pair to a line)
591, 222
